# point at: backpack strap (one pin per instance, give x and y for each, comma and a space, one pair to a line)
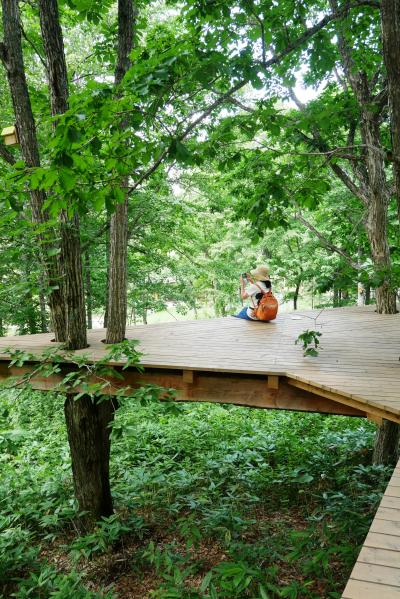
260, 288
262, 291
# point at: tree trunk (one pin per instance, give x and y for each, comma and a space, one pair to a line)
335, 297
378, 200
386, 448
43, 315
88, 287
390, 11
296, 294
105, 321
374, 189
367, 294
117, 298
12, 58
53, 43
360, 294
2, 328
88, 426
75, 296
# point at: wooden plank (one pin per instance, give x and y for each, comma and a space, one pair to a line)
382, 541
358, 589
386, 513
372, 409
391, 502
383, 575
381, 557
392, 491
386, 527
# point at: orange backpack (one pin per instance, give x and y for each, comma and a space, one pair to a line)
267, 308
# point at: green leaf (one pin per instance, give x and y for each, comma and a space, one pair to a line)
67, 179
206, 581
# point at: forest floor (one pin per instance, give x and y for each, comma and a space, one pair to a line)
211, 502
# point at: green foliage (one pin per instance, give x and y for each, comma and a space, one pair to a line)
107, 532
217, 501
48, 583
308, 338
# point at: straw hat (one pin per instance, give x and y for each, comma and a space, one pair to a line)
261, 273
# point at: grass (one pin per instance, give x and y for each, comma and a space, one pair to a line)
211, 502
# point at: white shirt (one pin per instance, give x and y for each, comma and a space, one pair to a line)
252, 291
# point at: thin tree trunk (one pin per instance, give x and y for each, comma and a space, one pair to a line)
335, 297
386, 449
117, 298
296, 294
88, 426
367, 295
360, 294
2, 328
88, 287
105, 322
12, 58
42, 305
390, 11
360, 285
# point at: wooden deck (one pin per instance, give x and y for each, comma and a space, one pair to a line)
358, 366
376, 574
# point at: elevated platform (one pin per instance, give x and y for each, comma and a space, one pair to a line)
376, 574
258, 364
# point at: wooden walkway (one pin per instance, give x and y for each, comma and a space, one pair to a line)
376, 574
358, 364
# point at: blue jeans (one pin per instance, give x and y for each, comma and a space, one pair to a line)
242, 314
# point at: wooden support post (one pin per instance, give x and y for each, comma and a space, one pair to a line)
375, 418
188, 380
188, 377
273, 381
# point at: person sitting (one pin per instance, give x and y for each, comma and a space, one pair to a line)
252, 286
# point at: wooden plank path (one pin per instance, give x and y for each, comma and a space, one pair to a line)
358, 364
376, 574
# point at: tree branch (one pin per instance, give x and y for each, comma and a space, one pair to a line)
309, 33
317, 142
6, 155
42, 60
328, 244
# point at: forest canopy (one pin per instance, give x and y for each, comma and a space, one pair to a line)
246, 117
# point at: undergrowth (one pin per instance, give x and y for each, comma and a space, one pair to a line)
211, 502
